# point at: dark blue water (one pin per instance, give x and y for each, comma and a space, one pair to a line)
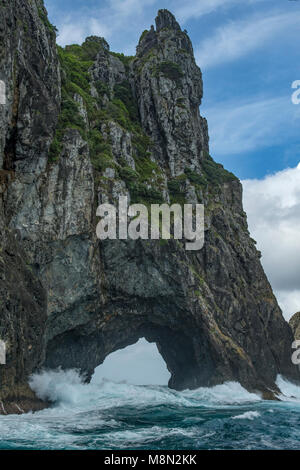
114, 416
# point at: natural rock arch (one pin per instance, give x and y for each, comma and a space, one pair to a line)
154, 291
86, 353
212, 313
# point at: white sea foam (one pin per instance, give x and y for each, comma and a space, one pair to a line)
288, 389
247, 415
229, 393
110, 415
67, 389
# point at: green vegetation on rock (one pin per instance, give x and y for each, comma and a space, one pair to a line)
75, 80
123, 93
144, 33
170, 70
145, 183
176, 187
89, 49
125, 59
215, 173
44, 17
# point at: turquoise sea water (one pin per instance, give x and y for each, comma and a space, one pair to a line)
107, 415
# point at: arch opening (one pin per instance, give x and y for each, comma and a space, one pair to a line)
137, 364
87, 350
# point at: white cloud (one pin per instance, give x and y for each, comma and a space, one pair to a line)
289, 302
238, 38
75, 33
191, 9
273, 209
240, 127
127, 8
114, 19
121, 20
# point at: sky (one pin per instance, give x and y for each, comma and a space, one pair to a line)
249, 56
139, 364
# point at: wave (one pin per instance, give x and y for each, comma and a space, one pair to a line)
288, 389
67, 389
247, 415
111, 415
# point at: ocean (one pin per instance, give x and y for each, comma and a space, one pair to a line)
109, 415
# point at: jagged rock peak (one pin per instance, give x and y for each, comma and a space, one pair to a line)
166, 72
97, 40
165, 19
167, 28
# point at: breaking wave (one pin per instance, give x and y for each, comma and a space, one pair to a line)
110, 415
67, 388
247, 415
288, 390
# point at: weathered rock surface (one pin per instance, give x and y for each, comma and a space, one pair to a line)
30, 71
295, 325
126, 126
168, 86
23, 319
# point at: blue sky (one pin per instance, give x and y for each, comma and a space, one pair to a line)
249, 55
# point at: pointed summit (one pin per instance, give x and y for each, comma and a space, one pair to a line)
165, 19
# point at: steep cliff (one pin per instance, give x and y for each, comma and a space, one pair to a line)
82, 126
30, 70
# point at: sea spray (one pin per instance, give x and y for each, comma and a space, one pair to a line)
288, 389
68, 387
110, 415
248, 415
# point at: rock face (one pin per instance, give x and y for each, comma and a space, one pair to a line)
23, 318
295, 325
82, 126
168, 87
30, 70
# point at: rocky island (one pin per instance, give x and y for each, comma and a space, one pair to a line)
81, 126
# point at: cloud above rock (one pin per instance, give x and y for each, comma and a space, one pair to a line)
273, 208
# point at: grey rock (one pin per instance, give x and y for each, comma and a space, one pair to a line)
121, 143
165, 19
107, 69
29, 67
211, 313
295, 325
168, 86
